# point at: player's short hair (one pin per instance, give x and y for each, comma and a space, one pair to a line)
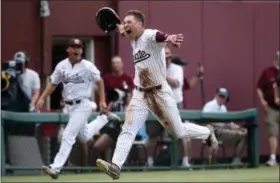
116, 56
139, 15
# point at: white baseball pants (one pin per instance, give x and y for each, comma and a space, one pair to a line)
168, 115
77, 126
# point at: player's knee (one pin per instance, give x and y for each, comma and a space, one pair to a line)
67, 137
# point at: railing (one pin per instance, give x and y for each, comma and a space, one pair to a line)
249, 116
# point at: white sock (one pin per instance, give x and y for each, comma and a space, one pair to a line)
150, 159
186, 159
95, 126
273, 156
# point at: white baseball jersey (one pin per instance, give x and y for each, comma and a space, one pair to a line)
77, 79
213, 106
149, 54
175, 71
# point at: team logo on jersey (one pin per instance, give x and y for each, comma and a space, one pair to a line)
76, 78
141, 56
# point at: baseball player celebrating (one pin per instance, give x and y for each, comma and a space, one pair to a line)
78, 76
151, 93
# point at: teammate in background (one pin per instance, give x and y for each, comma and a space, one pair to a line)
267, 91
152, 92
78, 76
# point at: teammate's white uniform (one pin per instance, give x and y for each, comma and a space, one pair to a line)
150, 71
77, 82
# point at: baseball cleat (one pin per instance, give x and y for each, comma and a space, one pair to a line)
112, 116
212, 141
110, 169
52, 173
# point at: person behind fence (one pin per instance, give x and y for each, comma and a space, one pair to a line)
227, 133
118, 86
20, 89
267, 90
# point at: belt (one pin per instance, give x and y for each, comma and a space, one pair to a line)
72, 102
148, 89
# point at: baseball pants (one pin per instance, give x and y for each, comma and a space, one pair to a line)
162, 105
77, 126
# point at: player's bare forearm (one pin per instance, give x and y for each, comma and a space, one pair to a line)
260, 94
121, 30
193, 81
35, 97
50, 88
101, 89
172, 82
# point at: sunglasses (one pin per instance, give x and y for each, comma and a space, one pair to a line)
222, 96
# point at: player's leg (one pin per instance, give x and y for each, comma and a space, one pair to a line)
77, 121
273, 121
136, 115
165, 109
96, 125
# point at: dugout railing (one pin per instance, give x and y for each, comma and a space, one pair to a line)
249, 117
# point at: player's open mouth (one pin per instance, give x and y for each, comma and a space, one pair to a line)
128, 31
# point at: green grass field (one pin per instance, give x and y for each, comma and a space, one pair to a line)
263, 174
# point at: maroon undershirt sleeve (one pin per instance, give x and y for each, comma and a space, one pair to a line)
161, 37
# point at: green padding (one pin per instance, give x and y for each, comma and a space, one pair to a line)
249, 114
192, 115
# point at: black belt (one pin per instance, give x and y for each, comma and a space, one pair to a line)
148, 89
72, 102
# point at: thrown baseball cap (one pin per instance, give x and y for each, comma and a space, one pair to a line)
222, 92
75, 42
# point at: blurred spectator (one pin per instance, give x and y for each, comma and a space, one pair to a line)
118, 86
268, 95
228, 133
29, 79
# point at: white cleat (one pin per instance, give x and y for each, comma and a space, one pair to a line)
271, 162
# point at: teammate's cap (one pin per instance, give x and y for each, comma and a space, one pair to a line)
222, 92
75, 42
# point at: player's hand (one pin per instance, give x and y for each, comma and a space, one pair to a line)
200, 71
120, 28
103, 106
175, 39
40, 104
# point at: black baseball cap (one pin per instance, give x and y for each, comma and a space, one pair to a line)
179, 61
75, 42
